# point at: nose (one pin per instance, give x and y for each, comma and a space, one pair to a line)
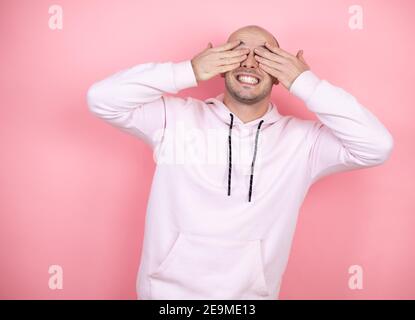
250, 61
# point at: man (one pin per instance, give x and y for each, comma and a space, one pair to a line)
232, 172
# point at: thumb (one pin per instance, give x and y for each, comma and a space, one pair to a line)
300, 55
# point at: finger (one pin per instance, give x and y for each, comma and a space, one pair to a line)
273, 72
234, 53
301, 57
228, 67
278, 50
269, 55
233, 60
270, 63
227, 46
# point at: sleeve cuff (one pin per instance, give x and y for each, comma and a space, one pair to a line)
184, 76
304, 85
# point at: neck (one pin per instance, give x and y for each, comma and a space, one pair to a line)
246, 112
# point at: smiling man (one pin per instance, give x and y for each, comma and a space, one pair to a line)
222, 228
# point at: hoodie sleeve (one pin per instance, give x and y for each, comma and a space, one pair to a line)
135, 99
346, 135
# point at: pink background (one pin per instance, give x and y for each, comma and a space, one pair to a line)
73, 190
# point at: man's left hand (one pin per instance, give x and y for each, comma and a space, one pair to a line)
281, 64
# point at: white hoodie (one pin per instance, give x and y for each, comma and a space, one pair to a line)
219, 226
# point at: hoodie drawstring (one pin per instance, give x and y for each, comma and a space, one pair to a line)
230, 154
253, 159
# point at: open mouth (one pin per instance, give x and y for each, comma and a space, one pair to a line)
248, 79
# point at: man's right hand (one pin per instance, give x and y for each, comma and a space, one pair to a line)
213, 61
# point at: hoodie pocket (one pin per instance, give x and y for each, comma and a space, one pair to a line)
200, 267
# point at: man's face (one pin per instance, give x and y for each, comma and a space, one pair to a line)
243, 89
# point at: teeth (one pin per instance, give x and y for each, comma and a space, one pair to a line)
247, 79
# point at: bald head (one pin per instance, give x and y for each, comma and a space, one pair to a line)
253, 35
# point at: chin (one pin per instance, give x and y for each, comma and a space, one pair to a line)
247, 98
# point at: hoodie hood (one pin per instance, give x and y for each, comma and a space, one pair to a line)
222, 111
225, 115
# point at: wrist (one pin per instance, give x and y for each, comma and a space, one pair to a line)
304, 85
183, 75
194, 71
